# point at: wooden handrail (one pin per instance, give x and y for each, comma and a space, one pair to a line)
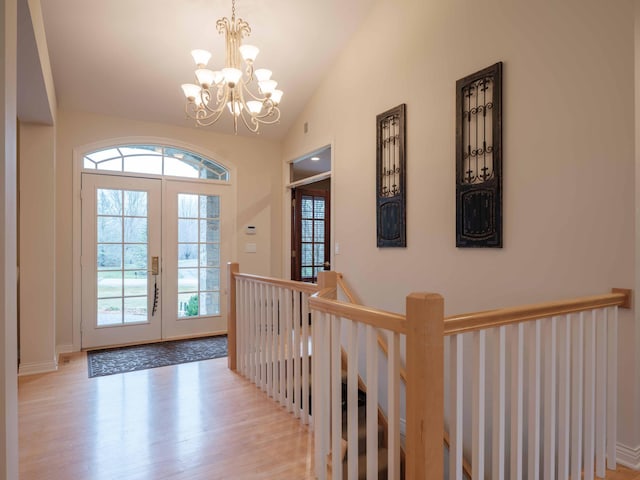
305, 287
328, 293
470, 322
347, 291
369, 316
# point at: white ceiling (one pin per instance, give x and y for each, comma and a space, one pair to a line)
129, 57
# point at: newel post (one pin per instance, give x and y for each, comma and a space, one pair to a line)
425, 385
321, 376
232, 269
328, 279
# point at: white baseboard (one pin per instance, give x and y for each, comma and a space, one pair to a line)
628, 456
37, 367
60, 349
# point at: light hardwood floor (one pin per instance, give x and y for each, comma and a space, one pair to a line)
191, 421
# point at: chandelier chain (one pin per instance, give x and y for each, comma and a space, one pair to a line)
233, 10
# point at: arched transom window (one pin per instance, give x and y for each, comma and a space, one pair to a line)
155, 160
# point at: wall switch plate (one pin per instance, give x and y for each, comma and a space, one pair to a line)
337, 248
250, 248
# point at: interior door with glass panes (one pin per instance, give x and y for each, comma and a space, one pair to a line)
121, 229
195, 252
310, 234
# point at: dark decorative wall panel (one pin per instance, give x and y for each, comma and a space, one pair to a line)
391, 178
479, 159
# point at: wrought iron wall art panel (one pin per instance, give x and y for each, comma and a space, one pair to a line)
479, 159
391, 178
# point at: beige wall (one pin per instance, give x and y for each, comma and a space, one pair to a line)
8, 283
37, 249
258, 189
568, 155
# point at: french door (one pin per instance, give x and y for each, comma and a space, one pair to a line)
151, 256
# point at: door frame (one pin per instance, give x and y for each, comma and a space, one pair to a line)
77, 155
288, 185
296, 230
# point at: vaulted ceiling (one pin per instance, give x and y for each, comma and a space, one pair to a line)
129, 57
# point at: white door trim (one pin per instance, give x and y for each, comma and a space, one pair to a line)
286, 204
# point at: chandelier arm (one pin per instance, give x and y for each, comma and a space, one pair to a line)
221, 97
248, 72
251, 94
263, 120
271, 111
256, 126
208, 120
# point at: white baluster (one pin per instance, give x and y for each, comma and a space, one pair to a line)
352, 400
274, 342
612, 387
533, 457
282, 347
243, 327
499, 405
589, 394
601, 393
269, 349
297, 377
263, 341
305, 358
564, 395
336, 398
517, 399
393, 373
288, 295
372, 402
550, 399
321, 394
239, 325
457, 395
577, 394
252, 332
478, 413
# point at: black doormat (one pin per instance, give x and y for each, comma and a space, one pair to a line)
139, 357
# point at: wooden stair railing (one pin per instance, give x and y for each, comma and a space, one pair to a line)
568, 424
574, 368
424, 401
382, 343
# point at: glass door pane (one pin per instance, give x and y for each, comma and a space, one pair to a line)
122, 251
198, 265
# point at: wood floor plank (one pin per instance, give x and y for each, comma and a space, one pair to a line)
190, 421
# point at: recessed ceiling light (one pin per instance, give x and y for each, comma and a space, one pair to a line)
315, 159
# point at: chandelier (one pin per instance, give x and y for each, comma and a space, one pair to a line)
249, 95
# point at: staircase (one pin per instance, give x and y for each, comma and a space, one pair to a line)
362, 437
